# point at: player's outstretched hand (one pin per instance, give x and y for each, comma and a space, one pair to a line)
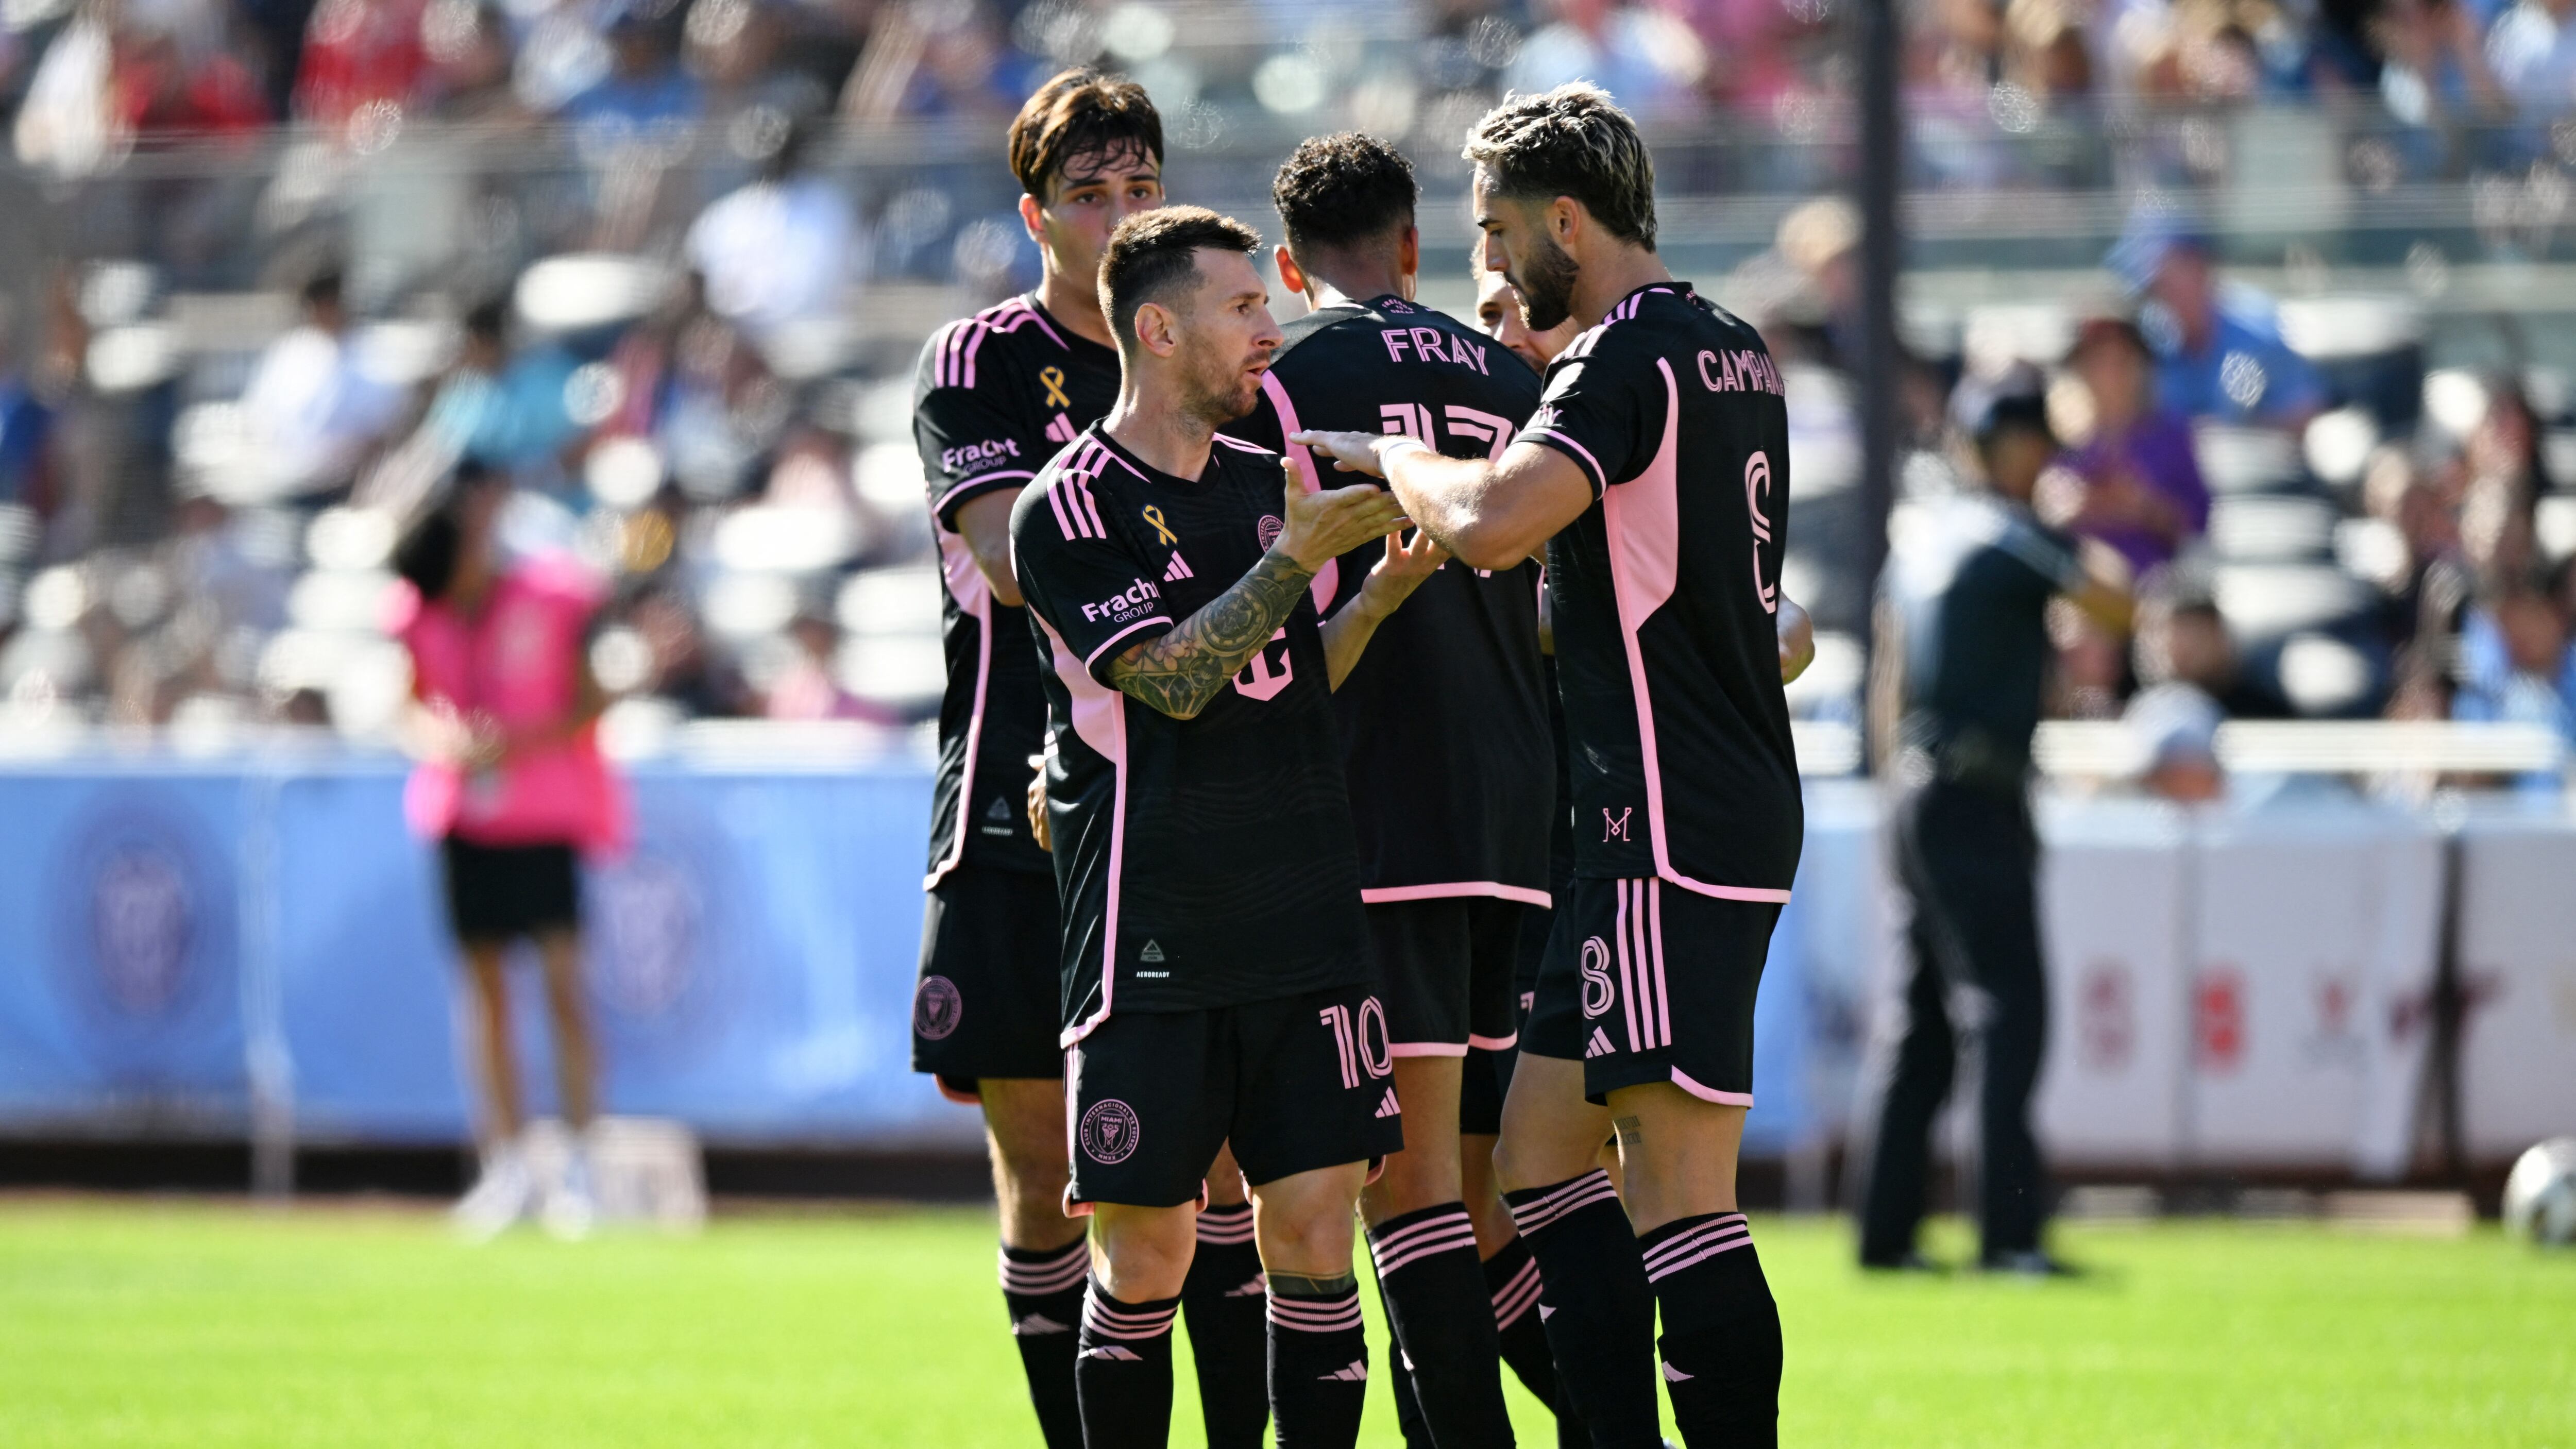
1402, 571
1327, 524
1350, 452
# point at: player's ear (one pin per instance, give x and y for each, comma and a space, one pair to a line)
1408, 256
1291, 275
1029, 210
1564, 219
1155, 327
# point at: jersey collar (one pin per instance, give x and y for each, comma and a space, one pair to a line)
1073, 341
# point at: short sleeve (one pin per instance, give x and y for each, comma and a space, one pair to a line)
1081, 581
2048, 554
970, 445
1591, 412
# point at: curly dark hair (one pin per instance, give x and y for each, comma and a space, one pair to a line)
1152, 251
1336, 190
1573, 141
1081, 113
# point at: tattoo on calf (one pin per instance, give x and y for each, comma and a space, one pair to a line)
1631, 1131
1181, 671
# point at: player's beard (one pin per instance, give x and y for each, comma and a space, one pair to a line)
1545, 278
1219, 390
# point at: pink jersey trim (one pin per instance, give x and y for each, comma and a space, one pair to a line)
1643, 519
939, 505
1728, 893
1382, 895
1426, 1049
1493, 1043
1592, 465
1328, 578
1683, 1080
1121, 634
1100, 721
974, 594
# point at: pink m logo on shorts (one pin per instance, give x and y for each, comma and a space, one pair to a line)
1616, 829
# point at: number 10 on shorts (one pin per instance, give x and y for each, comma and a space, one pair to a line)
1362, 1043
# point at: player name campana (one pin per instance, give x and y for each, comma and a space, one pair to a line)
1748, 370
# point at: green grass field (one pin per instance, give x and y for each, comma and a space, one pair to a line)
125, 1323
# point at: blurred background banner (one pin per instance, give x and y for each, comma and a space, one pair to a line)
751, 957
2243, 987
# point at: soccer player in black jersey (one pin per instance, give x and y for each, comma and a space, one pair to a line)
1445, 743
996, 395
1216, 974
1655, 475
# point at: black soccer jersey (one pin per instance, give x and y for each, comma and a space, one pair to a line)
1444, 721
1203, 862
1667, 650
995, 396
1971, 584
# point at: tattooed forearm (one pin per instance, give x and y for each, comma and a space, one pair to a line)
1181, 671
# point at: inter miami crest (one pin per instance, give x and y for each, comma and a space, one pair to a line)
1109, 1132
936, 1008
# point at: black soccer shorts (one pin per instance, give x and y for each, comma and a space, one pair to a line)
1294, 1084
1489, 1071
989, 997
1645, 981
1444, 970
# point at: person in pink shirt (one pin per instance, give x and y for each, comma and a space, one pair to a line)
512, 785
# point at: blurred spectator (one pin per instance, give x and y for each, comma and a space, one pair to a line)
684, 671
2176, 727
504, 407
2501, 475
469, 56
26, 429
809, 688
312, 411
2183, 640
2532, 49
2220, 353
362, 54
645, 89
2515, 660
781, 250
2142, 493
2434, 75
1648, 61
2428, 593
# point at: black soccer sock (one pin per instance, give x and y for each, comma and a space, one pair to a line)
1223, 1301
1721, 1338
1596, 1305
1399, 1382
1512, 1280
1125, 1372
1434, 1293
1043, 1287
1318, 1364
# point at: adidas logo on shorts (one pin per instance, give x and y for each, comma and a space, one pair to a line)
1357, 1373
1599, 1046
1114, 1353
1389, 1107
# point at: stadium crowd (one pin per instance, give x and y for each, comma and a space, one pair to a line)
648, 291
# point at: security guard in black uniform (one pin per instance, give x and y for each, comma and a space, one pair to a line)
1964, 655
